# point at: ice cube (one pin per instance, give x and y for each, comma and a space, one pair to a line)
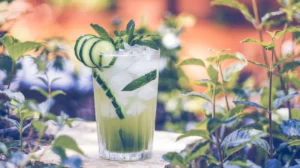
123, 62
118, 82
142, 67
148, 92
135, 108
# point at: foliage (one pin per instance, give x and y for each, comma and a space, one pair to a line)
229, 134
24, 114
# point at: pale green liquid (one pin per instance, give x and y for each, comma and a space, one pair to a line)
134, 133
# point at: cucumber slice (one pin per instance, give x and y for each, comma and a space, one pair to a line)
78, 44
108, 93
101, 47
85, 51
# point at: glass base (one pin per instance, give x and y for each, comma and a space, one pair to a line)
125, 156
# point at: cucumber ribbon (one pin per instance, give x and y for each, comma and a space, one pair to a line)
109, 94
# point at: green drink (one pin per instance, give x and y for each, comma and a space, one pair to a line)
129, 138
125, 78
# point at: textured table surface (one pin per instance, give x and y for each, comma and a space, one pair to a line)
86, 136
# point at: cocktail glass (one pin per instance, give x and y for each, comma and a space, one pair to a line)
126, 119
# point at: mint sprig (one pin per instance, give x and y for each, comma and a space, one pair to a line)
141, 81
128, 36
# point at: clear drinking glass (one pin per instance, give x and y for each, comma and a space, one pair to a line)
130, 138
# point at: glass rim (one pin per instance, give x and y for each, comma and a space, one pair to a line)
157, 52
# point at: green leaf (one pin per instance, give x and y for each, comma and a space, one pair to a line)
200, 133
279, 62
20, 49
248, 135
175, 159
66, 142
233, 69
231, 151
40, 90
130, 31
12, 95
192, 61
57, 92
248, 103
270, 15
39, 125
213, 74
15, 123
141, 81
288, 30
3, 148
259, 64
273, 163
197, 94
101, 31
8, 41
279, 101
197, 151
296, 114
210, 124
148, 43
291, 128
237, 5
289, 66
266, 46
295, 142
203, 82
225, 57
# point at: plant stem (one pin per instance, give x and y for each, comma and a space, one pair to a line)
224, 89
11, 74
259, 29
270, 107
216, 131
284, 87
21, 133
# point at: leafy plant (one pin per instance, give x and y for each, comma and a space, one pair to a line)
26, 115
282, 135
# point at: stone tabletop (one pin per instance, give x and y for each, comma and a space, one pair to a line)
86, 136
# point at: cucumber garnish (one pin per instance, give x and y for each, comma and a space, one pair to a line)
108, 93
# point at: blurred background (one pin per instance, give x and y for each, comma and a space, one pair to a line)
188, 28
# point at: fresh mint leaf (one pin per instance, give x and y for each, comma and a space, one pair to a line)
291, 128
213, 74
279, 101
8, 41
248, 103
200, 133
259, 64
66, 142
197, 94
270, 15
267, 46
141, 81
200, 150
288, 30
237, 5
192, 61
148, 43
130, 31
279, 62
101, 31
242, 136
16, 50
175, 159
290, 66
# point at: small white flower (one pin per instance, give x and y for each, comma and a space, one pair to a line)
287, 47
170, 41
